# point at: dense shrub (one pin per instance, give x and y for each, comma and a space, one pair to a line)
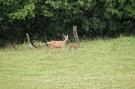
50, 19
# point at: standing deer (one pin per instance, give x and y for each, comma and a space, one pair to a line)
58, 44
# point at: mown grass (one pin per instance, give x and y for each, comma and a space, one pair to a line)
98, 64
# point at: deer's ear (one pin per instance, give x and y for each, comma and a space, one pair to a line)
67, 36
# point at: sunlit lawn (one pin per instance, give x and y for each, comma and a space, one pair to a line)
98, 64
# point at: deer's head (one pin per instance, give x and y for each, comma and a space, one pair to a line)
65, 37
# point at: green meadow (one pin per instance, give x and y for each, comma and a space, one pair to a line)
97, 64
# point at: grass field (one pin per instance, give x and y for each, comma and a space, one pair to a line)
98, 64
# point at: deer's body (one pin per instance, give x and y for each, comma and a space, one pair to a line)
58, 44
73, 45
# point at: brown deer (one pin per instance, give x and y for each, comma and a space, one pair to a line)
58, 44
73, 46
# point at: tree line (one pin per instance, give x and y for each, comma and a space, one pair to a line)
49, 19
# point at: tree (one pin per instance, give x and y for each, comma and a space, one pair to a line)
43, 19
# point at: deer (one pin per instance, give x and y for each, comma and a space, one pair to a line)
73, 46
58, 44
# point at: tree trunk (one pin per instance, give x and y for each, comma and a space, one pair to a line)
29, 41
75, 34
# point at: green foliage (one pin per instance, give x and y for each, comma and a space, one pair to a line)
97, 17
25, 11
